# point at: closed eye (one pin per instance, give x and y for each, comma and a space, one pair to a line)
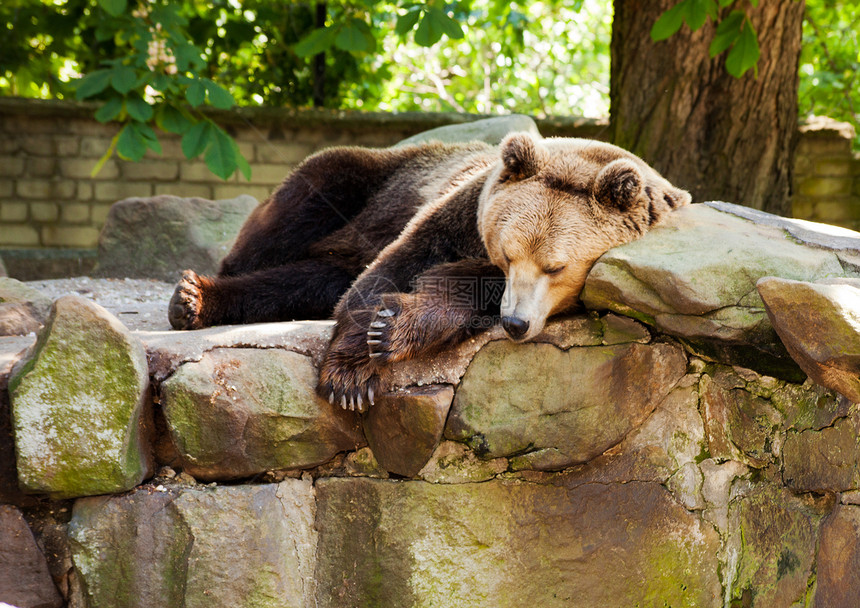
554, 270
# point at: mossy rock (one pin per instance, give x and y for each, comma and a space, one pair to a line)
78, 405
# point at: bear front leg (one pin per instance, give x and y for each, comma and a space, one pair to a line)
452, 303
349, 377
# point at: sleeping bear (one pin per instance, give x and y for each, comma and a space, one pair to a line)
413, 249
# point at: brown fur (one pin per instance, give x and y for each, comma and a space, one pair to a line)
417, 228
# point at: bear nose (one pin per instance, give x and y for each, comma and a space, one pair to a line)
515, 327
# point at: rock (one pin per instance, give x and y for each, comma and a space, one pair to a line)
22, 309
490, 130
694, 277
243, 411
226, 546
839, 559
510, 544
819, 323
453, 462
11, 351
740, 425
809, 406
569, 405
826, 460
669, 440
404, 428
717, 480
78, 405
167, 350
448, 366
773, 539
159, 237
24, 578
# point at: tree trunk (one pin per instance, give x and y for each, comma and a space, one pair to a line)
720, 137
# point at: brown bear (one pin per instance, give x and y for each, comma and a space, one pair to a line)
416, 248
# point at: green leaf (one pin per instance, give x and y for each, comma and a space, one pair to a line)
744, 53
669, 22
138, 109
161, 82
727, 32
218, 95
123, 79
351, 38
406, 23
443, 22
149, 136
196, 93
725, 3
130, 145
93, 83
109, 110
221, 154
114, 8
172, 120
427, 33
318, 41
698, 12
196, 139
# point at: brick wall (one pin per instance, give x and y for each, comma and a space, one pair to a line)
52, 207
827, 174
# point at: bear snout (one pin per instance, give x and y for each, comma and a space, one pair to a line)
515, 327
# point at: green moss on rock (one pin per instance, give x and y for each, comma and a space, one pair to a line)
77, 405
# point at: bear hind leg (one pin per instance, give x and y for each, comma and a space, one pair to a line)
307, 289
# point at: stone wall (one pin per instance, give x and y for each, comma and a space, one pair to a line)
52, 208
690, 439
827, 174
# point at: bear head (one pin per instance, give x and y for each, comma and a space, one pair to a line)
551, 207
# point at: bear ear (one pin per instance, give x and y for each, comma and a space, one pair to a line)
619, 184
520, 155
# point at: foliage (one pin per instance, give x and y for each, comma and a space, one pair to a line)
734, 32
157, 64
534, 58
830, 61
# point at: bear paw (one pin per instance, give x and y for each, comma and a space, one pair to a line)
186, 303
388, 333
352, 387
405, 326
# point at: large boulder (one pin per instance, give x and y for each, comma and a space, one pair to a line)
78, 405
490, 130
560, 407
510, 544
24, 578
23, 309
243, 411
159, 237
819, 323
695, 275
231, 546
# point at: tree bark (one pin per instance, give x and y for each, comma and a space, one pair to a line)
720, 137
